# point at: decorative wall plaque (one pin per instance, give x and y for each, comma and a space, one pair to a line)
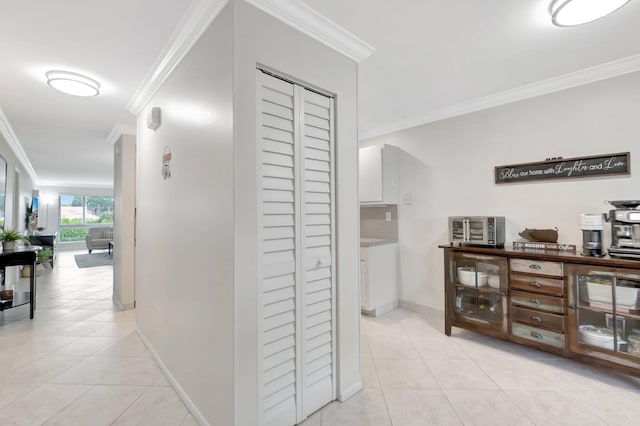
567, 168
166, 157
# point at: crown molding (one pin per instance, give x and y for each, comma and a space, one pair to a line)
61, 184
12, 140
197, 19
308, 21
120, 129
579, 78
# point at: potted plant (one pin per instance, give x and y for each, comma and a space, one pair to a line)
42, 258
9, 237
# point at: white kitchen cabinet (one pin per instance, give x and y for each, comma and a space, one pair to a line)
379, 175
378, 277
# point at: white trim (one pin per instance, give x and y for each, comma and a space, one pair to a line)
120, 129
344, 394
551, 85
12, 140
176, 386
195, 22
307, 20
422, 309
74, 184
125, 307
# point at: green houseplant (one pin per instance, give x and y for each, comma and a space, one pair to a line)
9, 237
42, 258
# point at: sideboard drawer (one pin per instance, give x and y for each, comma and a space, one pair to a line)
538, 335
536, 284
537, 301
536, 267
537, 318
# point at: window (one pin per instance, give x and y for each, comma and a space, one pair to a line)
79, 212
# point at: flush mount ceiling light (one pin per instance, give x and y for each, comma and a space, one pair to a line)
567, 13
72, 83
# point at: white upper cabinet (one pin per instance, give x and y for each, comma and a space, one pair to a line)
379, 175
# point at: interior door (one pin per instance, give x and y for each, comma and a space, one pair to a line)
297, 346
318, 345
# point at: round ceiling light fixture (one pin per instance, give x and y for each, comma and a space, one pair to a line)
567, 13
72, 83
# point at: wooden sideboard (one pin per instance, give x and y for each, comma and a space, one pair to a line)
575, 306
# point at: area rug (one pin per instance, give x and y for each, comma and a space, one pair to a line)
95, 259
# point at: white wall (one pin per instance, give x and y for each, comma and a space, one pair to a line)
261, 39
25, 186
448, 170
184, 252
124, 191
14, 215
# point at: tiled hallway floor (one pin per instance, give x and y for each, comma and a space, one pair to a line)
415, 375
79, 361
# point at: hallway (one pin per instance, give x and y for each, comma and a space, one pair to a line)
80, 362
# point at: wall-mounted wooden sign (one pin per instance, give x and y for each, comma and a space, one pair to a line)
567, 168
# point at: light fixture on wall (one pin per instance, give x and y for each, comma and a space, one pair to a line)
72, 83
567, 13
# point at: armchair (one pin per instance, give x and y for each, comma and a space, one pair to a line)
98, 238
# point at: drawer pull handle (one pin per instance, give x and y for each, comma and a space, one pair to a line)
536, 301
535, 267
536, 335
536, 318
535, 284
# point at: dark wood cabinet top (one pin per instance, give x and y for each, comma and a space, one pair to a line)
550, 255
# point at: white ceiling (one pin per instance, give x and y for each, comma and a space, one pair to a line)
434, 54
116, 42
431, 56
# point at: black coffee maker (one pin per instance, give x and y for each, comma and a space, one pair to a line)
592, 226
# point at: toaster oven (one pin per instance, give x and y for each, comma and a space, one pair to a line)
477, 230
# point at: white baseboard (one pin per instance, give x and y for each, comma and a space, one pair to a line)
385, 308
176, 386
129, 306
123, 307
344, 394
380, 310
422, 309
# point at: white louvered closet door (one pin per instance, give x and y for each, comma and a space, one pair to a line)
318, 344
296, 248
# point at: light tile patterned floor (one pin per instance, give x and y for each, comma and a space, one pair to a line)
415, 375
79, 361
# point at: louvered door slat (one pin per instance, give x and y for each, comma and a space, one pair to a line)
318, 230
280, 357
277, 183
313, 121
277, 232
274, 348
313, 286
271, 108
321, 144
277, 196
